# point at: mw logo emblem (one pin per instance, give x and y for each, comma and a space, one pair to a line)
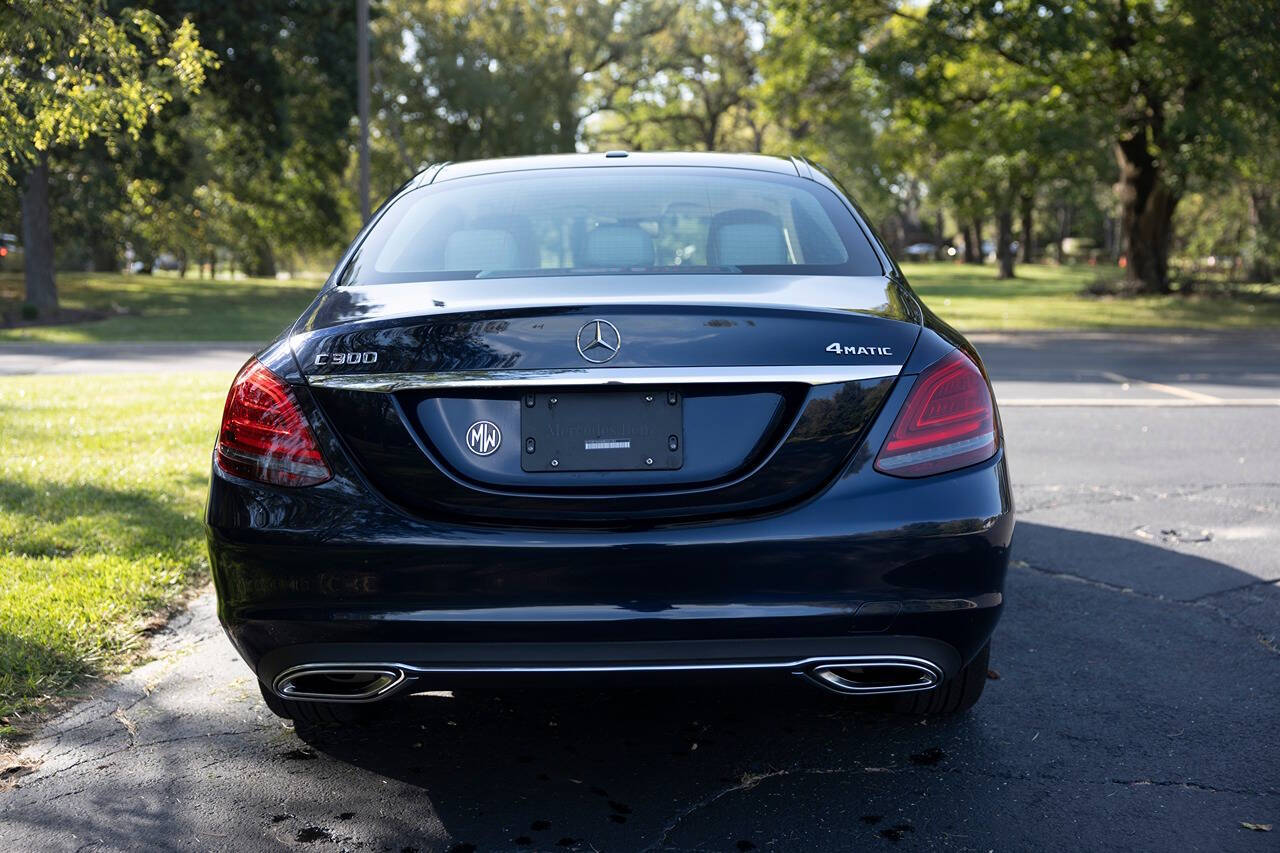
483, 437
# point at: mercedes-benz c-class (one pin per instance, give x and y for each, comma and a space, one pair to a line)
612, 418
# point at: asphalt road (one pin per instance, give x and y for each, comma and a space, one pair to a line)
1137, 704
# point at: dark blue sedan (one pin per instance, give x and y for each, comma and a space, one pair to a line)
621, 418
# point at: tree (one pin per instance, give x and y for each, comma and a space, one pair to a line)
830, 107
73, 72
1177, 83
260, 156
694, 83
462, 79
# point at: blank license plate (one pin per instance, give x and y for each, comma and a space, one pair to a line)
602, 431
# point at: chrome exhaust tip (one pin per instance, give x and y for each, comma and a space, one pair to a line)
338, 683
868, 676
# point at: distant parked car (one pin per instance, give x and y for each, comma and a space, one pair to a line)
10, 252
166, 261
919, 251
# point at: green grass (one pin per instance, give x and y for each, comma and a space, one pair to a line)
164, 307
102, 480
167, 308
1049, 297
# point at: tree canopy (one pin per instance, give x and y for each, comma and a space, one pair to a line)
224, 134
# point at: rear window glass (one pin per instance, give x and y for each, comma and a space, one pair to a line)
640, 220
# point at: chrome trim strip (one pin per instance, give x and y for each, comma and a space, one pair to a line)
805, 667
603, 376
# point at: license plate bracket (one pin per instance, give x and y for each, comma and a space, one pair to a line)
602, 431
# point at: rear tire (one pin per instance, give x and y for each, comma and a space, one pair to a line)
954, 696
316, 713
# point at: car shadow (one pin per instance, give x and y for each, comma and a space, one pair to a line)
1081, 695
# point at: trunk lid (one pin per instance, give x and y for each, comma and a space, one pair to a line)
527, 400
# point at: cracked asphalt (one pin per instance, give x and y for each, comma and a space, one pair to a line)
1137, 703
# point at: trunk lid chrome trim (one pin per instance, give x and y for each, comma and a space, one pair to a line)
604, 377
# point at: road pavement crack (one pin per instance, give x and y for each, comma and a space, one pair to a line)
1028, 504
1266, 642
40, 778
1191, 786
751, 780
746, 783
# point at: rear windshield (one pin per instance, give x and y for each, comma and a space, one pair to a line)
640, 220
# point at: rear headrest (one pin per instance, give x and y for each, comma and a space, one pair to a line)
481, 249
619, 246
745, 237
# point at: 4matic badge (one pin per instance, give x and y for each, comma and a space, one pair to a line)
850, 349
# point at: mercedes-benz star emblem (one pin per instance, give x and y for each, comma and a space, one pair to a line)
598, 341
484, 437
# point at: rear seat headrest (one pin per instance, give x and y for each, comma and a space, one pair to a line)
619, 246
744, 237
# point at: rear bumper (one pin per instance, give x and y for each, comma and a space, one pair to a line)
904, 568
920, 662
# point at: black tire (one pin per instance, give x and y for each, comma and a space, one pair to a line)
954, 696
317, 713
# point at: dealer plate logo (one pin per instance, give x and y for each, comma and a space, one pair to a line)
483, 437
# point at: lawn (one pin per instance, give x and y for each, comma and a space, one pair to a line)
1049, 297
102, 481
168, 308
164, 307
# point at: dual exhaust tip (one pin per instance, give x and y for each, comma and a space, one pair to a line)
354, 683
851, 675
872, 676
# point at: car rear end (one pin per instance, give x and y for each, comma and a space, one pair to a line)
662, 422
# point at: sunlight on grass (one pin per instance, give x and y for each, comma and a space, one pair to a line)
102, 480
165, 308
1048, 297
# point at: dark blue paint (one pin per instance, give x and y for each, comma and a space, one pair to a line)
417, 553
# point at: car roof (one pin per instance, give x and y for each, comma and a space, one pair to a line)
613, 159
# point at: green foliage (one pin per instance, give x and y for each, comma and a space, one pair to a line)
691, 85
72, 72
1172, 87
939, 117
465, 79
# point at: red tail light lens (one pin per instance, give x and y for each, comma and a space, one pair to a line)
264, 436
948, 422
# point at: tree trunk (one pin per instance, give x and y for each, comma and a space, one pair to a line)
1146, 216
1064, 231
1263, 228
970, 256
1026, 248
104, 255
262, 261
978, 254
1004, 237
37, 238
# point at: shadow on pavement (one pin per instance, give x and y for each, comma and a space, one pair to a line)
1120, 720
1113, 699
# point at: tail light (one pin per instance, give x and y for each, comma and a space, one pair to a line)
947, 422
264, 435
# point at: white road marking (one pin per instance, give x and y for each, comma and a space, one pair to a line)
1131, 402
1185, 393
